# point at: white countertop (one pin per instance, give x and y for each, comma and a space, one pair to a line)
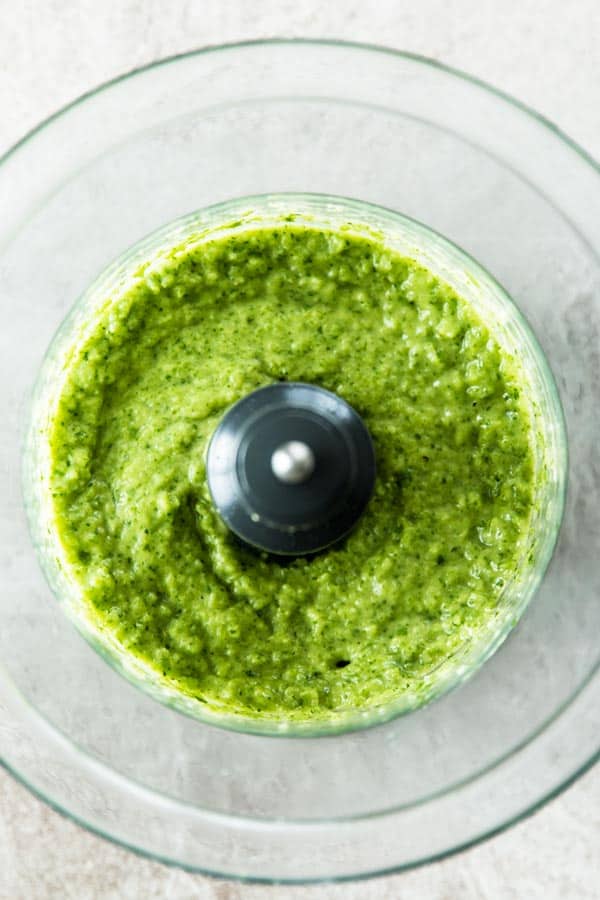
546, 53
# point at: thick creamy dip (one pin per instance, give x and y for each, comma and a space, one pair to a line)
423, 572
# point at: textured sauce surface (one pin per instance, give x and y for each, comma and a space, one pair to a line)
445, 531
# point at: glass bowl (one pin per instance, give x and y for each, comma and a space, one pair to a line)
410, 239
472, 165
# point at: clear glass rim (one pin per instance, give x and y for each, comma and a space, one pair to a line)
579, 769
317, 42
341, 879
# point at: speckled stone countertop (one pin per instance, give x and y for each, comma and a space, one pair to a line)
545, 52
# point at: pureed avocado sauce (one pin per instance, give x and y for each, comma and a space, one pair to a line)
422, 573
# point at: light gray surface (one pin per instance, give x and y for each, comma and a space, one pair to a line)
547, 54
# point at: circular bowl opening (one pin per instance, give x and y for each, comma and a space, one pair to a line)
411, 240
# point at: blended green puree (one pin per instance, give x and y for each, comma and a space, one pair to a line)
444, 532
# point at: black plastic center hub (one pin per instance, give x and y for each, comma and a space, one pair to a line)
286, 509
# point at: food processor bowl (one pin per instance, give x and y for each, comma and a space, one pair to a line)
438, 147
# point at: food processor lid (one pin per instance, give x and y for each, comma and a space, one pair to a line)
291, 468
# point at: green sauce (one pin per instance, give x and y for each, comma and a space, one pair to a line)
424, 570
